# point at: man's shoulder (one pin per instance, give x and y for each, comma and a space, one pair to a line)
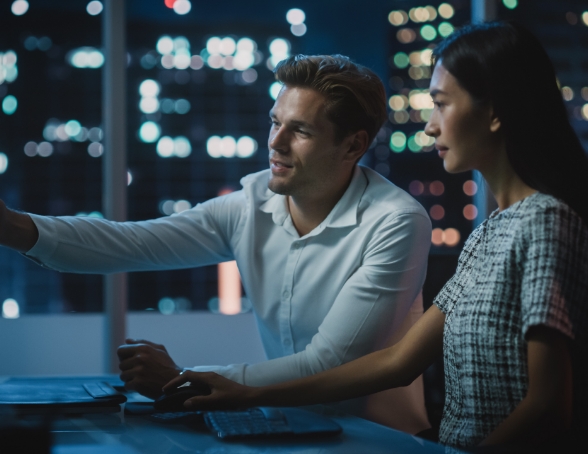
255, 186
383, 196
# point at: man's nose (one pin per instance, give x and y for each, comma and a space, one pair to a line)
278, 140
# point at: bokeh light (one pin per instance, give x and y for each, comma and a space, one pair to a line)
95, 149
398, 141
584, 112
451, 237
510, 4
470, 212
446, 10
274, 90
94, 8
406, 35
182, 7
398, 102
85, 57
585, 18
470, 188
3, 162
401, 60
437, 212
149, 87
445, 29
398, 18
246, 146
9, 105
437, 237
416, 187
567, 93
149, 132
298, 30
19, 7
428, 32
295, 16
165, 45
10, 308
436, 188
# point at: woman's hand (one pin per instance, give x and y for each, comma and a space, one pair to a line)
224, 393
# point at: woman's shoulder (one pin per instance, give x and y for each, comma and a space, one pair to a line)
541, 209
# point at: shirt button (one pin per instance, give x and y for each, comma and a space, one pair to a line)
296, 245
287, 342
286, 294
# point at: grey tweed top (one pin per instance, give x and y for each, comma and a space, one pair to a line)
524, 266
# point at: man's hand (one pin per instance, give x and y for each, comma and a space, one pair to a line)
224, 393
146, 367
17, 230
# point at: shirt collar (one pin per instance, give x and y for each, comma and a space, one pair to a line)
343, 214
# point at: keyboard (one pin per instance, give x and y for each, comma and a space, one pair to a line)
269, 422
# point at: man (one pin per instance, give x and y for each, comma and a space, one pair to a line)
331, 255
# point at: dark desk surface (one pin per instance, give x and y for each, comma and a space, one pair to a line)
120, 433
124, 434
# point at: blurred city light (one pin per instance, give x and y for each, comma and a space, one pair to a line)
437, 212
182, 7
470, 212
446, 10
274, 90
168, 147
398, 142
10, 307
510, 4
228, 147
298, 29
428, 32
436, 188
445, 29
8, 69
95, 149
149, 132
416, 187
470, 188
295, 16
401, 60
165, 45
3, 162
94, 8
19, 7
398, 18
9, 105
149, 87
406, 35
85, 57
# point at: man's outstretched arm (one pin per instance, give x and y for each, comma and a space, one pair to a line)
17, 230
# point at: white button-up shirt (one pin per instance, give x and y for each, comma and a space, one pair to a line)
320, 300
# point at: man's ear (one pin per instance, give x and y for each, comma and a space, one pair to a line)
358, 143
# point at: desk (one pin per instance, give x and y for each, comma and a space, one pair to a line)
119, 433
125, 434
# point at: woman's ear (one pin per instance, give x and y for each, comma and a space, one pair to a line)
494, 121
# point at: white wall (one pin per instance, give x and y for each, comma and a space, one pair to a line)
72, 344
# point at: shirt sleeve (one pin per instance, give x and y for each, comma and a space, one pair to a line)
200, 236
554, 287
373, 302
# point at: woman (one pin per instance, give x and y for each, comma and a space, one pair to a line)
512, 321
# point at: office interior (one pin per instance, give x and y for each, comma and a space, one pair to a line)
198, 90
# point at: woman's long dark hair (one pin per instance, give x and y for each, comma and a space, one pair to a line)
503, 65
